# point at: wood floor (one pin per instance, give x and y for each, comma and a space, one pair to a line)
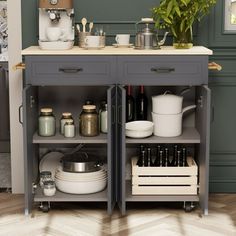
142, 219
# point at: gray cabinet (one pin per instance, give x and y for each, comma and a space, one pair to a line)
4, 104
65, 82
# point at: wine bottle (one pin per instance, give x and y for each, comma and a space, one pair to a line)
184, 157
166, 157
174, 162
178, 158
149, 157
143, 159
141, 105
157, 160
129, 105
161, 158
139, 163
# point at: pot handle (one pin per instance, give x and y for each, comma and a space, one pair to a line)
167, 92
184, 91
188, 108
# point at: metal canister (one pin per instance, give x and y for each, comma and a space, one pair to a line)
89, 121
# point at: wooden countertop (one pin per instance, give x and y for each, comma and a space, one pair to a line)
109, 50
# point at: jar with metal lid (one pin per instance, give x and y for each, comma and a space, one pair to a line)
49, 188
45, 176
46, 123
103, 118
89, 122
69, 129
65, 117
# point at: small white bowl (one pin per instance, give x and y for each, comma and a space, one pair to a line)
139, 129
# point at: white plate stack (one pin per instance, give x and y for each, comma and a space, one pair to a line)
80, 183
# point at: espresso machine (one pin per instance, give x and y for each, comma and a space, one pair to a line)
56, 24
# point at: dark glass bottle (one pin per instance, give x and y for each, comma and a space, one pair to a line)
149, 157
129, 105
178, 158
184, 157
174, 162
157, 160
166, 163
143, 158
161, 158
139, 163
141, 105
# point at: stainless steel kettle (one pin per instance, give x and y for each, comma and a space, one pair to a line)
147, 38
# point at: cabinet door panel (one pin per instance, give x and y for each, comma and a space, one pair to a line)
111, 100
203, 101
30, 117
121, 149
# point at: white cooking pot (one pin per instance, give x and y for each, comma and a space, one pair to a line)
168, 103
169, 125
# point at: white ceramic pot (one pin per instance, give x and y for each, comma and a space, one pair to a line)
169, 125
167, 104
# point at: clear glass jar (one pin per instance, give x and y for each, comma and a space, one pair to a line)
66, 116
46, 123
45, 176
49, 188
88, 121
69, 129
103, 119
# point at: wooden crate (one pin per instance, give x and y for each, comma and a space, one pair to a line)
165, 180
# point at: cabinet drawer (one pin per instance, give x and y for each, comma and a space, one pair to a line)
70, 70
163, 70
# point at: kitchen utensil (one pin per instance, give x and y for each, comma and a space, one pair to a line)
80, 162
81, 38
169, 125
86, 187
84, 22
50, 162
167, 104
147, 38
122, 39
90, 26
139, 129
78, 27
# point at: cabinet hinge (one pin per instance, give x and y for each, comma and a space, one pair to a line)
32, 101
200, 101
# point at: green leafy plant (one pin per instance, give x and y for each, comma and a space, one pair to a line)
179, 15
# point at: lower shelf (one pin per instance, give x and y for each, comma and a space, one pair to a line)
65, 197
157, 198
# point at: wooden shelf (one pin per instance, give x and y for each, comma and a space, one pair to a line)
65, 197
60, 139
157, 198
189, 135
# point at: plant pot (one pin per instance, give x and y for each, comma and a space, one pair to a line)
184, 39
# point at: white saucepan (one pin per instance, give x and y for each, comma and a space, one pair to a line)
169, 125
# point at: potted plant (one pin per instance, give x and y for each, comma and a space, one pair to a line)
178, 16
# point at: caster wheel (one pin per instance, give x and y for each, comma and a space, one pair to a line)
44, 207
188, 207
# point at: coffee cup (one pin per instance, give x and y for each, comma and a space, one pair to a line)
92, 41
123, 39
54, 33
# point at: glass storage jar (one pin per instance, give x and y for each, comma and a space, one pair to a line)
103, 118
88, 121
49, 188
45, 176
46, 123
65, 117
69, 129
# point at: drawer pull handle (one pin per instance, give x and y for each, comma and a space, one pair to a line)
163, 70
70, 70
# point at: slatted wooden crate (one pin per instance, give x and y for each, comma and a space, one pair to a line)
165, 180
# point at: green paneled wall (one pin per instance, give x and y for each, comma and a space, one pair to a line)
118, 16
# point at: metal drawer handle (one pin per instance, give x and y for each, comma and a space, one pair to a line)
163, 70
20, 112
70, 70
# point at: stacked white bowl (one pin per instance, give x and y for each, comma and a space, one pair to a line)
80, 183
167, 114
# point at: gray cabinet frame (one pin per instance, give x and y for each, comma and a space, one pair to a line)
116, 71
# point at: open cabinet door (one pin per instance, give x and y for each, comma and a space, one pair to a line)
111, 148
121, 149
15, 94
30, 117
203, 126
